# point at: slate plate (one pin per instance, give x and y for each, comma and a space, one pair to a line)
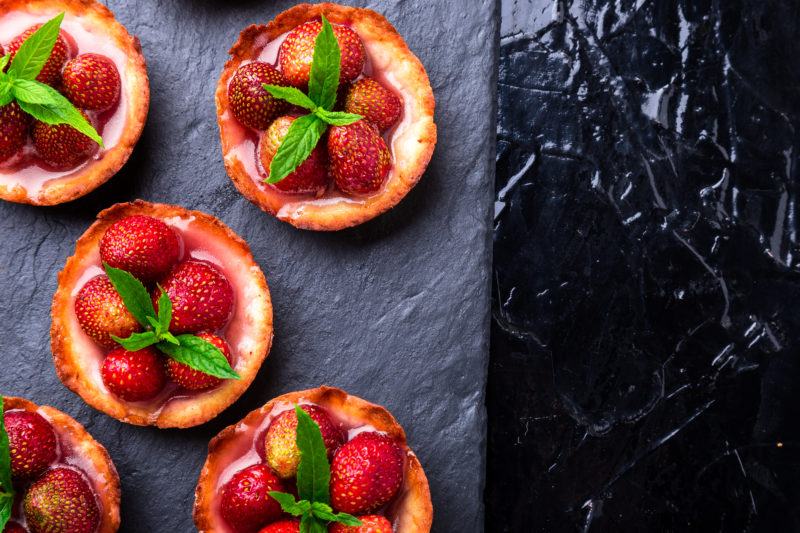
395, 311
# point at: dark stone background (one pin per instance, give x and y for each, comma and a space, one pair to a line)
645, 361
396, 311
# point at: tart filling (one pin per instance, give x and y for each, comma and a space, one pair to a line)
217, 291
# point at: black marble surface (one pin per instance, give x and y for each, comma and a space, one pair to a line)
395, 311
645, 363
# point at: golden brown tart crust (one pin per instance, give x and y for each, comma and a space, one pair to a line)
413, 510
202, 406
106, 482
411, 148
136, 92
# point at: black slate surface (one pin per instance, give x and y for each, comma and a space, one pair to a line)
645, 357
396, 311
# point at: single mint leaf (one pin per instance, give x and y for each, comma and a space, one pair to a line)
323, 81
164, 311
324, 512
289, 504
154, 323
310, 524
137, 341
133, 294
337, 118
300, 140
170, 338
6, 506
6, 92
5, 455
199, 354
32, 92
292, 95
35, 51
61, 112
4, 61
314, 471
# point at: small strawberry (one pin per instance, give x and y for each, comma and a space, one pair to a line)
311, 177
32, 443
61, 501
245, 502
13, 527
192, 379
284, 526
91, 81
374, 102
280, 442
202, 298
134, 376
360, 159
144, 246
101, 313
366, 473
250, 103
297, 52
51, 72
61, 145
14, 125
369, 524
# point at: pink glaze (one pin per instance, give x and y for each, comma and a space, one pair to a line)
27, 169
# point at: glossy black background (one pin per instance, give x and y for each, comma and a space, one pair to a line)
645, 362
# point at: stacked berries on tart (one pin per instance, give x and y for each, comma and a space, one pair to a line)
265, 474
318, 153
62, 479
161, 317
73, 131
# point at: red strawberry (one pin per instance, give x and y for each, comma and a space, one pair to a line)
134, 376
311, 177
61, 145
192, 379
250, 103
101, 313
366, 473
280, 442
297, 53
245, 502
32, 442
374, 102
13, 527
144, 246
51, 72
369, 524
14, 125
360, 159
61, 501
91, 81
202, 298
284, 526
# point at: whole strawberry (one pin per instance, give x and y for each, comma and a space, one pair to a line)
101, 313
61, 501
297, 52
32, 443
283, 526
144, 246
91, 81
134, 376
14, 125
311, 177
250, 103
280, 442
245, 502
192, 379
51, 71
366, 473
13, 527
202, 298
369, 524
374, 102
61, 145
360, 159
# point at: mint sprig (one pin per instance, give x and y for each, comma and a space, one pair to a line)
35, 98
313, 481
6, 488
323, 84
188, 349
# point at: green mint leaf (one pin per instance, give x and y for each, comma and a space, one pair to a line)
61, 111
300, 140
310, 524
133, 294
164, 311
289, 504
4, 61
6, 506
32, 92
137, 341
6, 92
5, 454
324, 512
35, 51
292, 95
323, 81
337, 118
155, 324
170, 338
314, 471
200, 355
